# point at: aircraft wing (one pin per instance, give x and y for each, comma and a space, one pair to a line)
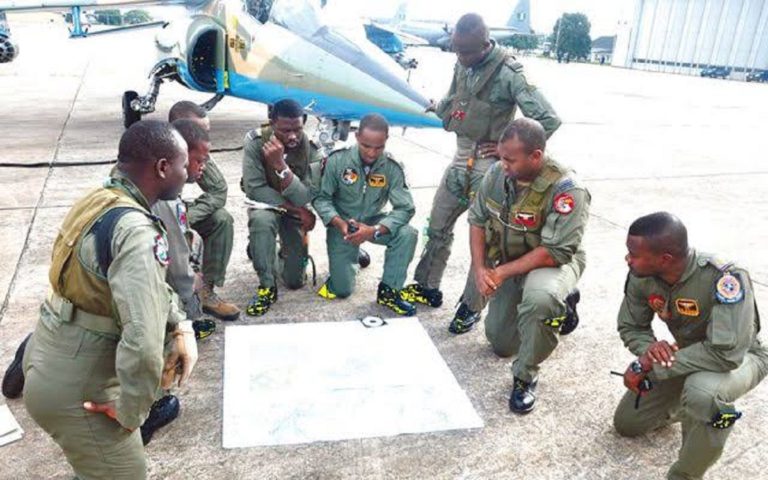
29, 5
406, 38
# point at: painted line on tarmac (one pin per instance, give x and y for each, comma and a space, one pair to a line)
24, 249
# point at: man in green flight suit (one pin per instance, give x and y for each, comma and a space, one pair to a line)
276, 172
94, 364
487, 89
208, 217
526, 226
716, 357
356, 185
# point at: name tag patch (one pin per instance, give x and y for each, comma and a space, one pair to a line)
687, 307
377, 180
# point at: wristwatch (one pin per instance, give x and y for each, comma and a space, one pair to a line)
377, 232
282, 173
636, 366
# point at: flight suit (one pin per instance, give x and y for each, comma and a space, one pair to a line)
100, 336
351, 190
263, 185
479, 105
715, 323
185, 249
525, 312
208, 217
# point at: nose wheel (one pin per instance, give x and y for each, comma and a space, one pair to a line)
130, 116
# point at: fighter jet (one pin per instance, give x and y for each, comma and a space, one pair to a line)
438, 33
262, 50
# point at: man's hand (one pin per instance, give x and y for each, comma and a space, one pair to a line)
363, 233
273, 151
487, 281
488, 149
107, 409
340, 225
307, 219
432, 107
659, 352
183, 356
633, 380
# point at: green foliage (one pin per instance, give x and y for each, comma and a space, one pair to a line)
109, 17
135, 17
522, 42
573, 40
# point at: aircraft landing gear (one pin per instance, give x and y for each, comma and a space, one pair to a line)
331, 131
130, 116
135, 105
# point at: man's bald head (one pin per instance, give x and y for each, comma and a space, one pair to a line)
153, 155
147, 141
472, 25
663, 233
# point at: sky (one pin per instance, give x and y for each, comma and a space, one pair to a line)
604, 15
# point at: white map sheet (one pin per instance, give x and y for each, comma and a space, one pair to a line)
309, 382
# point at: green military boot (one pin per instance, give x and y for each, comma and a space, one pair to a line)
416, 293
260, 303
464, 320
394, 300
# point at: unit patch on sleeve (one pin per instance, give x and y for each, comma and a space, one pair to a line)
160, 250
564, 203
728, 289
349, 176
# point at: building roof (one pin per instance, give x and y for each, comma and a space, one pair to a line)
603, 44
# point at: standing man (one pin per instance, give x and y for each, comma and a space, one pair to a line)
208, 217
487, 88
94, 364
526, 226
710, 310
276, 171
356, 185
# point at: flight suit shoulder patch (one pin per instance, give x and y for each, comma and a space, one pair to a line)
729, 288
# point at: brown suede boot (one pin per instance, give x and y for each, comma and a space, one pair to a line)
213, 305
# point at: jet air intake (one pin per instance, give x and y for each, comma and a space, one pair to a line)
8, 49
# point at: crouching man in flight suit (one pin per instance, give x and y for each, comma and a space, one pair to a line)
526, 226
95, 362
716, 357
356, 185
276, 172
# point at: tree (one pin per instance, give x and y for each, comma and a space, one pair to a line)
135, 17
109, 17
523, 42
573, 40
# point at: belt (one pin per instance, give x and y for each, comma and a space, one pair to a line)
69, 313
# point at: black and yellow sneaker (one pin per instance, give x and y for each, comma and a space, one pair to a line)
416, 293
464, 320
394, 300
203, 328
326, 292
571, 315
260, 303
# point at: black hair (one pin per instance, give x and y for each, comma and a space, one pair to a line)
530, 133
286, 108
148, 141
186, 109
374, 122
664, 232
191, 132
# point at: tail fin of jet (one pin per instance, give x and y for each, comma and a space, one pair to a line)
402, 12
521, 17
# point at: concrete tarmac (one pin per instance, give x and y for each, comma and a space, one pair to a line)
641, 142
